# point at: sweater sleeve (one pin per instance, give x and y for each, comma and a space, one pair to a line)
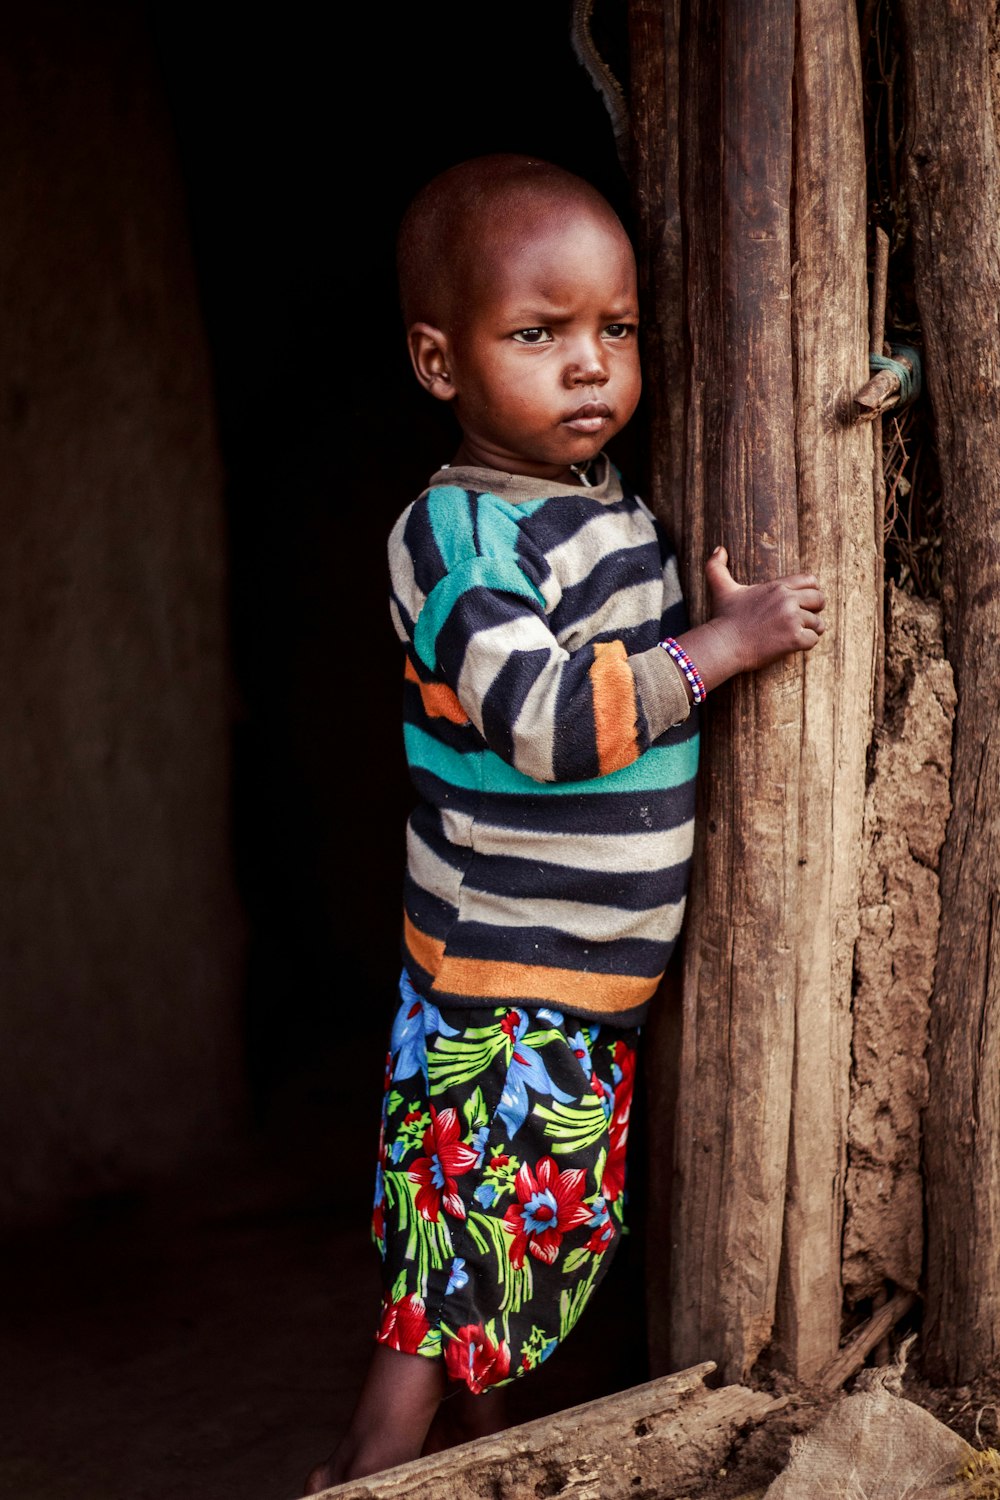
482, 630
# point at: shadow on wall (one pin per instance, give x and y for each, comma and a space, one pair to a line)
211, 427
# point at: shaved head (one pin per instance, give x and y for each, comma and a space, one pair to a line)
461, 222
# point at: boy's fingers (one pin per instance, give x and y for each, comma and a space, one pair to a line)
811, 599
800, 581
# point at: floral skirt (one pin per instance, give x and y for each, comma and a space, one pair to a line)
500, 1183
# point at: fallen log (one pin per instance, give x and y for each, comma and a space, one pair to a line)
663, 1437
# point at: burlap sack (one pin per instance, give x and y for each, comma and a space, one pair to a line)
875, 1445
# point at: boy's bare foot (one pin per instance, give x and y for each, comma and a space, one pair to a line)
463, 1417
398, 1400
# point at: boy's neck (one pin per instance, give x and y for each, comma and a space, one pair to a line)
574, 474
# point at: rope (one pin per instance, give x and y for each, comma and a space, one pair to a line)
909, 375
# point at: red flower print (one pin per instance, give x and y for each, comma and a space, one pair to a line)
476, 1359
613, 1184
510, 1023
414, 1114
548, 1206
601, 1238
435, 1173
378, 1221
500, 1160
404, 1324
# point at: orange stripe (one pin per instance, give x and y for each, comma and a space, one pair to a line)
601, 992
438, 698
484, 978
613, 687
428, 951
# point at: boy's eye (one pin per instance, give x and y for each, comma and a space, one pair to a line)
619, 330
533, 336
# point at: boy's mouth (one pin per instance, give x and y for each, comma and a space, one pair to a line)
590, 417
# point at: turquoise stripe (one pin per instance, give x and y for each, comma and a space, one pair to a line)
451, 522
661, 767
497, 527
499, 574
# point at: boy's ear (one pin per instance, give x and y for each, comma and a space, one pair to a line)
428, 348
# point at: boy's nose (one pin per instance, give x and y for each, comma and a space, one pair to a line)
590, 372
587, 366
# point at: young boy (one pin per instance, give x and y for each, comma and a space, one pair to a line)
550, 732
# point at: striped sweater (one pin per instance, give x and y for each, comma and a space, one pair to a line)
550, 740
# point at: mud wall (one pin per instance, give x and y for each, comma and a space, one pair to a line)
119, 939
906, 811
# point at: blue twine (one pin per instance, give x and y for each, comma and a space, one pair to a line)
910, 380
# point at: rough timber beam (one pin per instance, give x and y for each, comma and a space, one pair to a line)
663, 1437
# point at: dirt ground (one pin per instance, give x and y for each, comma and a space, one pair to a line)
205, 1342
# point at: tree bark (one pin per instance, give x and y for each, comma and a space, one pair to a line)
953, 183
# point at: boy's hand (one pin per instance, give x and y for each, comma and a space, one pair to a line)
753, 624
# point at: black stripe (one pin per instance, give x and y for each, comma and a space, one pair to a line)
574, 742
619, 570
566, 813
550, 948
429, 913
506, 695
478, 609
418, 539
531, 880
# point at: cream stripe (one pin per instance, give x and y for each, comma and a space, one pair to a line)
404, 580
432, 873
610, 852
600, 924
627, 607
489, 650
575, 558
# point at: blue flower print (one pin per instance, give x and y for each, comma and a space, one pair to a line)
459, 1276
526, 1067
601, 1215
485, 1194
416, 1020
581, 1051
479, 1142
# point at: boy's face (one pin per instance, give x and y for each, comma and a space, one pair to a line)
542, 359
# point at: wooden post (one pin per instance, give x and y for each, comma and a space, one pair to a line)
837, 541
654, 96
739, 1006
776, 346
953, 183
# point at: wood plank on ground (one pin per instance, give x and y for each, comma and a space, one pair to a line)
664, 1437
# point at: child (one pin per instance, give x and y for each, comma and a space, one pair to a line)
551, 737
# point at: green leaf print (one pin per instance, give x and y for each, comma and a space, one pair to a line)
487, 1233
428, 1243
574, 1126
393, 1102
474, 1110
575, 1258
457, 1060
572, 1303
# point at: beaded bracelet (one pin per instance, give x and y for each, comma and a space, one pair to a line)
698, 690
